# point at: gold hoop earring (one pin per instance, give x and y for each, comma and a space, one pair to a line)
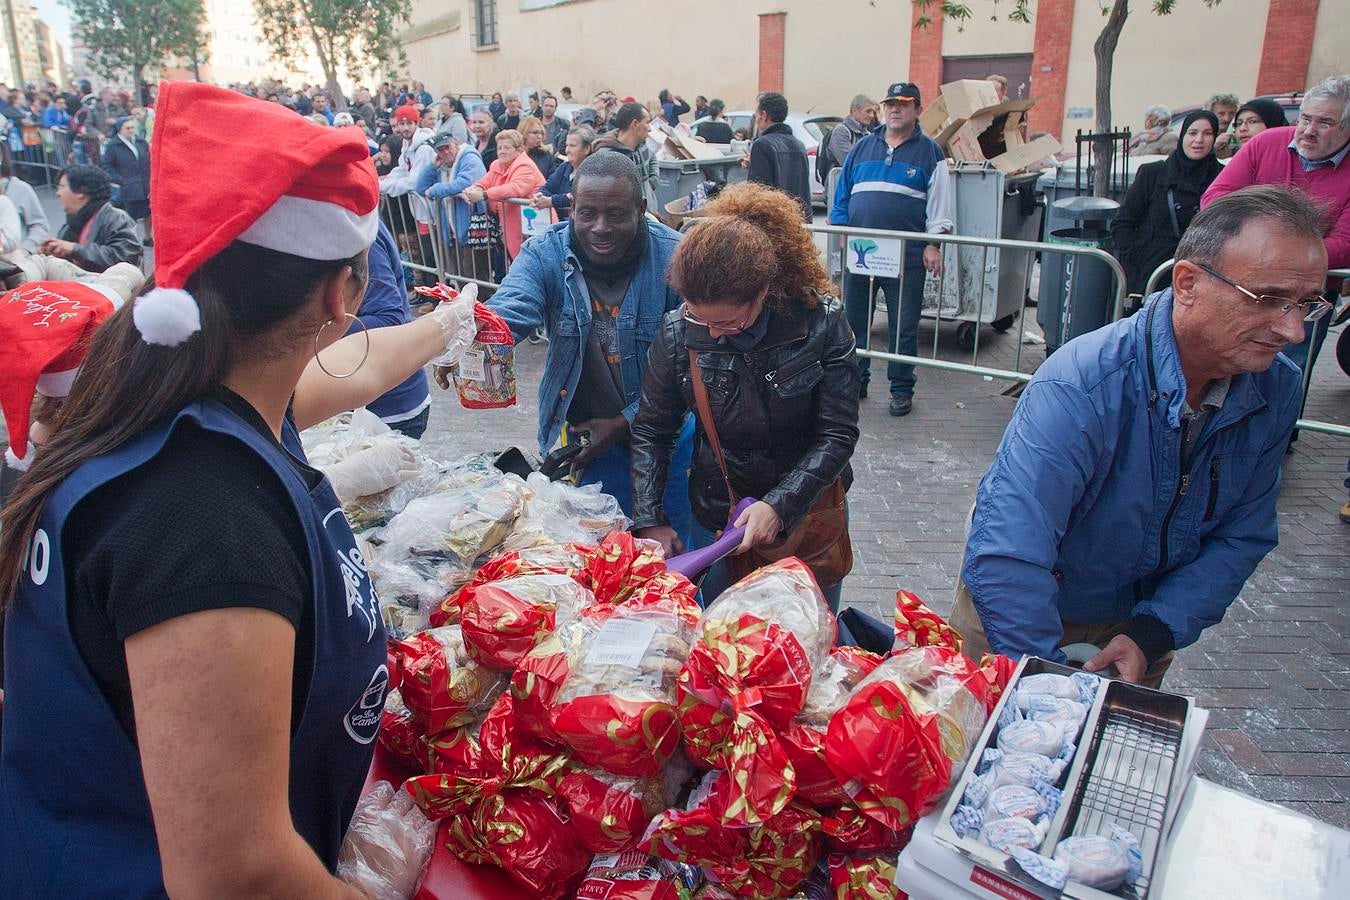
364, 356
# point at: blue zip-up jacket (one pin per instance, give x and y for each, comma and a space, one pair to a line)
545, 288
467, 168
900, 189
385, 304
1085, 515
558, 188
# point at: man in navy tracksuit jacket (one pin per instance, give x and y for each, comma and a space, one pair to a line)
407, 407
895, 178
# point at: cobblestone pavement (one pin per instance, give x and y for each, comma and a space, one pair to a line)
1275, 674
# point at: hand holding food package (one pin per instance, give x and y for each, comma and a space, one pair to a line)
747, 675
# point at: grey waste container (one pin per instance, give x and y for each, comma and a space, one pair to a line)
675, 178
1077, 293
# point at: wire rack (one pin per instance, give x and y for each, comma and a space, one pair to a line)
1129, 774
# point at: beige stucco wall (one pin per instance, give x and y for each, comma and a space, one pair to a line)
1331, 41
988, 32
637, 47
1178, 60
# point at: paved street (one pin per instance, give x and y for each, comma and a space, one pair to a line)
1275, 674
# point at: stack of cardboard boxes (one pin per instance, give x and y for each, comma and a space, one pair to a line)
969, 122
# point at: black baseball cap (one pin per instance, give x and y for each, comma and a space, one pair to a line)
903, 90
441, 140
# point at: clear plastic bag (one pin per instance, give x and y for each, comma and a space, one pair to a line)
387, 846
559, 513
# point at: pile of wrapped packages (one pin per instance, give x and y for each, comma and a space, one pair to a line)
563, 709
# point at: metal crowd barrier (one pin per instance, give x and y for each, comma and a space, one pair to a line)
837, 244
1155, 279
43, 153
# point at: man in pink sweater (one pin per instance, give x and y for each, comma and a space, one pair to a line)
1310, 155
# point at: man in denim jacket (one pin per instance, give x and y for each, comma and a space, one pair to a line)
1135, 488
597, 283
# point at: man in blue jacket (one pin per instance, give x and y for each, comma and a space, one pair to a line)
597, 282
1134, 491
462, 165
895, 178
406, 408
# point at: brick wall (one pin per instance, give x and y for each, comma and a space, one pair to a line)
925, 53
772, 36
1054, 32
1287, 46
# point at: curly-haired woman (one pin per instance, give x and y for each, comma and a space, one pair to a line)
774, 355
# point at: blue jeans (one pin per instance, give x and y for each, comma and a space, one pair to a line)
414, 427
902, 323
611, 472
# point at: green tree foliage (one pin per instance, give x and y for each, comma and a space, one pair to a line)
354, 35
129, 35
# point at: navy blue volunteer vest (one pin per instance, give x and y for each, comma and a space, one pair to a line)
74, 817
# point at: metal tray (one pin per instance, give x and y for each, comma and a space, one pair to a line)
1125, 771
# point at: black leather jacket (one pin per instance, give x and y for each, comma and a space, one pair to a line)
786, 412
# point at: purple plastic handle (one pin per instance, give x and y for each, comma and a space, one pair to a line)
695, 561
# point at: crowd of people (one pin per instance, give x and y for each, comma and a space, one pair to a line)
167, 639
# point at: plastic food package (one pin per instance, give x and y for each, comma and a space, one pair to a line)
849, 830
609, 813
400, 733
616, 708
433, 546
441, 685
769, 859
505, 619
535, 683
623, 566
560, 513
1027, 736
855, 877
804, 737
748, 674
559, 559
485, 376
918, 626
387, 846
1004, 834
1102, 862
636, 875
341, 437
904, 734
506, 813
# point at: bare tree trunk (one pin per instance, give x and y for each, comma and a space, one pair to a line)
1104, 49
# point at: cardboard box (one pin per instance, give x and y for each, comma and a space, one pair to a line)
969, 123
681, 146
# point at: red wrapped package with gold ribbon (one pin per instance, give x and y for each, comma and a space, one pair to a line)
770, 859
747, 676
621, 564
616, 707
900, 740
400, 733
804, 737
505, 619
442, 687
861, 877
506, 812
453, 752
918, 626
558, 559
998, 671
609, 813
848, 830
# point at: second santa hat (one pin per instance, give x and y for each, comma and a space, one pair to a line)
226, 167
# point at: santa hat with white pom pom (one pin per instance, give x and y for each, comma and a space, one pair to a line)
224, 168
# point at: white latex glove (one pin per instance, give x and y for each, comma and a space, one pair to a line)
377, 468
457, 324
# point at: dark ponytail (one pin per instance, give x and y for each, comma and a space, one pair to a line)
125, 385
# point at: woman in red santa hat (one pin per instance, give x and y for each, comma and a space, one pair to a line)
195, 661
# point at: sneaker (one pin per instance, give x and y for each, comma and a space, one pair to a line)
902, 405
1345, 512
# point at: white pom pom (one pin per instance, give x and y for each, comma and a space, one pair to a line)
166, 316
20, 464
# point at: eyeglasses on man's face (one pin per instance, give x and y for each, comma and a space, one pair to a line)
1311, 308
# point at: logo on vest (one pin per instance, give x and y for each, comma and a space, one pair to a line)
363, 719
37, 559
361, 596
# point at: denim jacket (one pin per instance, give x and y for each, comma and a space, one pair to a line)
1086, 515
545, 288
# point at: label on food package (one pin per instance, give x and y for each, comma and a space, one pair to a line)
621, 642
473, 365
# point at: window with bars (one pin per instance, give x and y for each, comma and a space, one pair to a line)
485, 23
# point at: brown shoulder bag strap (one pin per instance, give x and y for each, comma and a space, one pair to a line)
704, 411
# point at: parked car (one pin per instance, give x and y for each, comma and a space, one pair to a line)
808, 129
